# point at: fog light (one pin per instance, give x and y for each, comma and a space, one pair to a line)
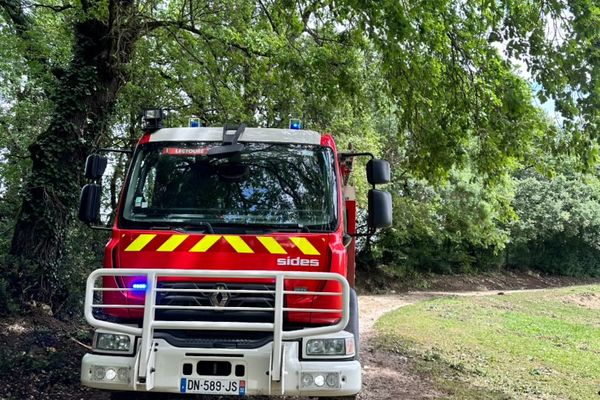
123, 374
332, 380
307, 379
319, 380
110, 374
98, 373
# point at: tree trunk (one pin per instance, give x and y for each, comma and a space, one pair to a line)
83, 99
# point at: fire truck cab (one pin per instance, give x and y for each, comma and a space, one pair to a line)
230, 269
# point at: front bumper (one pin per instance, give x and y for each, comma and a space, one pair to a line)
168, 372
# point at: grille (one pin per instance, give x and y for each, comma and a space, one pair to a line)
217, 340
219, 297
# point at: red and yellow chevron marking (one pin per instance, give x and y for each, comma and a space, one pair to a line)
205, 243
140, 242
172, 243
271, 245
237, 243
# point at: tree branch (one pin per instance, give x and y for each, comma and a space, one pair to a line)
266, 11
152, 25
53, 8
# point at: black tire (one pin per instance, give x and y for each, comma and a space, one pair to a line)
122, 395
353, 322
139, 396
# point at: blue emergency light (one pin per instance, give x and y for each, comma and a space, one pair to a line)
194, 122
139, 286
295, 124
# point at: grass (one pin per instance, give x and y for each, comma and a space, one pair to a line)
533, 345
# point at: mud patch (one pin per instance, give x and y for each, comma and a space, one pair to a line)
388, 375
586, 300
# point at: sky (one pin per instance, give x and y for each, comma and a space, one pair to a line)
521, 69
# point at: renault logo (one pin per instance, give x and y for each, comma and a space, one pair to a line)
220, 297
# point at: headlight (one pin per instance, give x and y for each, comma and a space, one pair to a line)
329, 347
112, 342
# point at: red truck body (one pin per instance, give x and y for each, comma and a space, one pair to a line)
160, 249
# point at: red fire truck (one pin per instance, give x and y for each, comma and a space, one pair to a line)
230, 270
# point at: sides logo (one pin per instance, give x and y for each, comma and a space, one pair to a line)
297, 262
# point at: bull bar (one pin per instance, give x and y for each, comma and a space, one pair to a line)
145, 365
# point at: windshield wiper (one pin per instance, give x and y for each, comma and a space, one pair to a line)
267, 227
193, 225
187, 226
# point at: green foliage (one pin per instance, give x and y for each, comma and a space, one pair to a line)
558, 226
459, 102
531, 222
452, 228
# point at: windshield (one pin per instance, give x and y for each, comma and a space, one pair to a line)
267, 185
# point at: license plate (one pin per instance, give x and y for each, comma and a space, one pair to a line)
213, 386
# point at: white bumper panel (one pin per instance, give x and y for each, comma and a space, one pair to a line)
349, 374
257, 362
169, 362
91, 362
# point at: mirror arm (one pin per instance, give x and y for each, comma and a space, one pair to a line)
357, 235
370, 232
349, 154
99, 227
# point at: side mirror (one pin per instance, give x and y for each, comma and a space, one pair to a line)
95, 165
89, 203
380, 208
378, 172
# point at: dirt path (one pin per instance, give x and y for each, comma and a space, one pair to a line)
385, 375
